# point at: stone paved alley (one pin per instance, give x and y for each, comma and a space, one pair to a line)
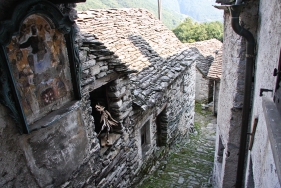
190, 162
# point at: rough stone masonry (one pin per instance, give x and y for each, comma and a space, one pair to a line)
145, 78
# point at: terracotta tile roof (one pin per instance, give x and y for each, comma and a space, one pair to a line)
215, 70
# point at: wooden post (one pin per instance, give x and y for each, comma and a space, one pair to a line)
159, 10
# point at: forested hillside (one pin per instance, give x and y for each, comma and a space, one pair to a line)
173, 12
171, 17
200, 10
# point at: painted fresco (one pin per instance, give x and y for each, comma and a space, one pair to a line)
39, 62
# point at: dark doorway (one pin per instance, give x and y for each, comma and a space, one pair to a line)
210, 91
161, 126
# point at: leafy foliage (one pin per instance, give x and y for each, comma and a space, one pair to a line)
190, 31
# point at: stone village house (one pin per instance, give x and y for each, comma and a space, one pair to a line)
130, 63
214, 74
249, 112
204, 86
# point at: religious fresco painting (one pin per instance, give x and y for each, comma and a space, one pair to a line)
39, 62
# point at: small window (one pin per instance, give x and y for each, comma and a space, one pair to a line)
145, 137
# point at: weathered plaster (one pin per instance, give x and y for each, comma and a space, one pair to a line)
268, 51
231, 93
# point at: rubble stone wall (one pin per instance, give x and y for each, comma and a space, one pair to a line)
27, 159
202, 87
177, 103
69, 154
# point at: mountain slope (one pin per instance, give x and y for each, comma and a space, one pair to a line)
173, 11
171, 18
172, 5
201, 11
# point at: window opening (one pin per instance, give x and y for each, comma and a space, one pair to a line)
210, 91
98, 96
145, 137
161, 128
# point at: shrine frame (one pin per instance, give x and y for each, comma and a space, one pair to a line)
9, 94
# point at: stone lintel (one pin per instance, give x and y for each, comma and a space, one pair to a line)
100, 82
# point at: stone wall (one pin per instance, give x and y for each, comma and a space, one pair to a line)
268, 55
69, 153
214, 74
175, 99
231, 96
262, 162
202, 88
26, 158
162, 88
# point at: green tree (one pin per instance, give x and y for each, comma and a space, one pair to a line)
190, 31
215, 30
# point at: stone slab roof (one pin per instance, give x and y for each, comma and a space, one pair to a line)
215, 70
207, 48
142, 43
153, 80
134, 35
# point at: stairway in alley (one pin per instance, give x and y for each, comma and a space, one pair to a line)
189, 163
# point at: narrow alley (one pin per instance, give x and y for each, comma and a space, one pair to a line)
190, 162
